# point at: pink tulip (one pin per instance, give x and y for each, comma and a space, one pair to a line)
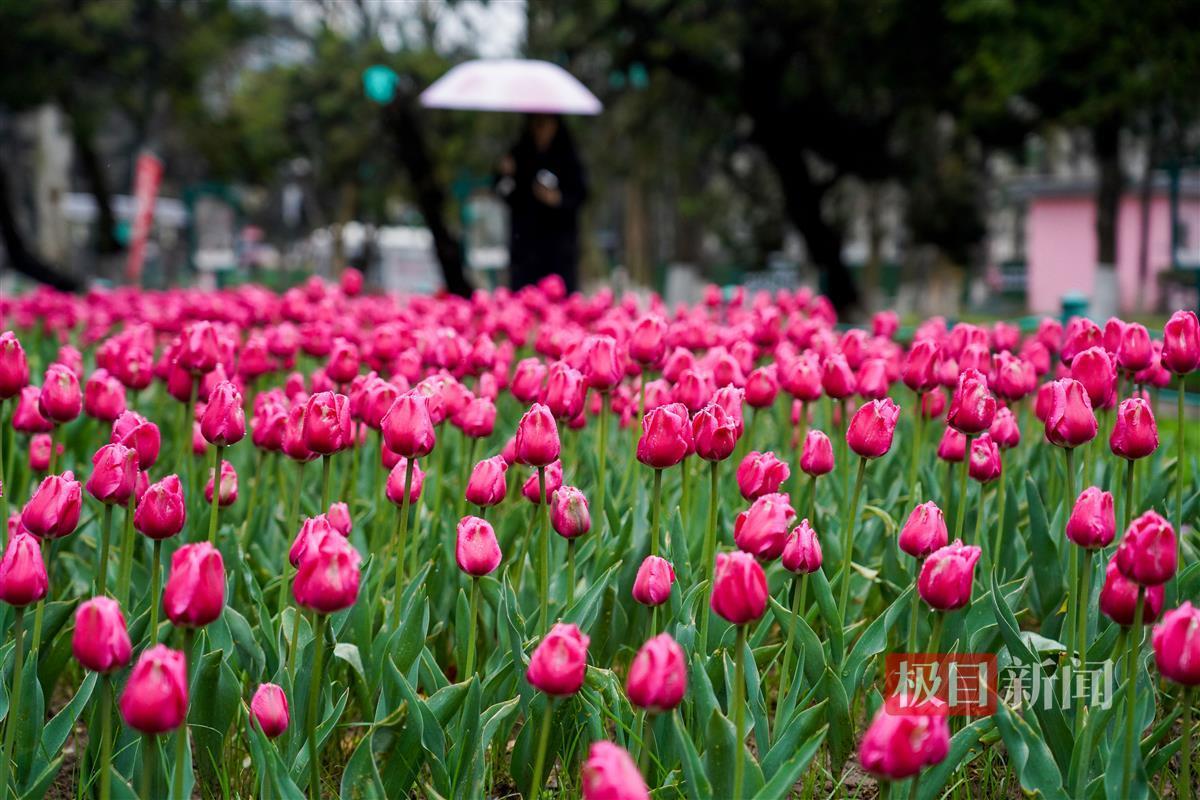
155, 698
1177, 645
60, 399
611, 774
762, 530
53, 511
476, 548
565, 391
487, 485
714, 433
327, 427
760, 474
1070, 421
816, 458
558, 663
327, 579
1135, 434
100, 641
133, 430
408, 427
925, 531
1095, 370
802, 550
229, 486
14, 366
537, 437
601, 365
1118, 597
114, 474
985, 465
657, 679
395, 482
946, 576
739, 593
269, 706
837, 379
761, 387
872, 428
920, 367
1092, 523
161, 512
898, 746
1147, 552
22, 571
103, 396
973, 406
195, 592
569, 512
532, 489
339, 517
652, 585
1181, 343
1135, 352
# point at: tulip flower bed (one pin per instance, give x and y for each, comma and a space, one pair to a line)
329, 544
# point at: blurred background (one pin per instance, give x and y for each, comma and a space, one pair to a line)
959, 157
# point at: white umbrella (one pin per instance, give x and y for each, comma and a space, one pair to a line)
511, 84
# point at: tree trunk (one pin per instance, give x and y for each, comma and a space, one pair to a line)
19, 257
1106, 137
93, 173
412, 152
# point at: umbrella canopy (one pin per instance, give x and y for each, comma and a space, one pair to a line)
511, 84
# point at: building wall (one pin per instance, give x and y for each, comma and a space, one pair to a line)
1061, 249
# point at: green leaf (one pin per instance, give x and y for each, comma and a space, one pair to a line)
841, 724
269, 766
785, 743
781, 784
696, 785
1048, 584
1028, 755
829, 612
934, 779
721, 739
873, 640
211, 718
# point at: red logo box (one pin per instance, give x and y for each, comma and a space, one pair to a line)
964, 683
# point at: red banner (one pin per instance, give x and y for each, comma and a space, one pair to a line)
146, 180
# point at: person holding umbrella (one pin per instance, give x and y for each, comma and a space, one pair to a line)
544, 184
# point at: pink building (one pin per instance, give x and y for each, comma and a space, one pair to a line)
1060, 244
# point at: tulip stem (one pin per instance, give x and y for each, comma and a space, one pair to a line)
1082, 601
1127, 501
685, 485
544, 560
655, 508
214, 511
294, 643
148, 759
799, 592
962, 490
980, 513
402, 541
105, 536
570, 573
14, 708
1001, 501
53, 450
935, 631
40, 609
255, 480
310, 721
800, 432
916, 446
848, 541
155, 590
739, 712
539, 762
710, 544
4, 493
812, 501
125, 576
471, 635
181, 736
326, 474
1180, 463
913, 792
602, 463
644, 753
1073, 600
105, 737
1185, 753
914, 619
1135, 645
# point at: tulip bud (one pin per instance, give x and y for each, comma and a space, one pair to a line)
224, 421
1005, 431
1135, 353
655, 577
27, 416
872, 428
872, 380
762, 530
14, 367
739, 593
339, 517
343, 361
1147, 552
761, 387
133, 430
537, 437
933, 403
327, 423
1118, 597
527, 380
1092, 523
477, 418
714, 433
601, 366
60, 399
836, 377
1181, 342
898, 746
114, 474
155, 698
973, 407
984, 465
657, 677
487, 485
802, 550
611, 774
1070, 421
1094, 369
532, 489
100, 641
925, 531
801, 377
292, 443
328, 576
39, 452
161, 512
408, 427
195, 592
569, 512
558, 663
817, 456
920, 367
666, 436
53, 511
565, 390
199, 350
229, 486
647, 340
269, 706
1135, 434
760, 474
476, 549
395, 482
103, 396
946, 576
22, 571
1177, 645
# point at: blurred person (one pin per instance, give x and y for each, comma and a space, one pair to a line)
543, 182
